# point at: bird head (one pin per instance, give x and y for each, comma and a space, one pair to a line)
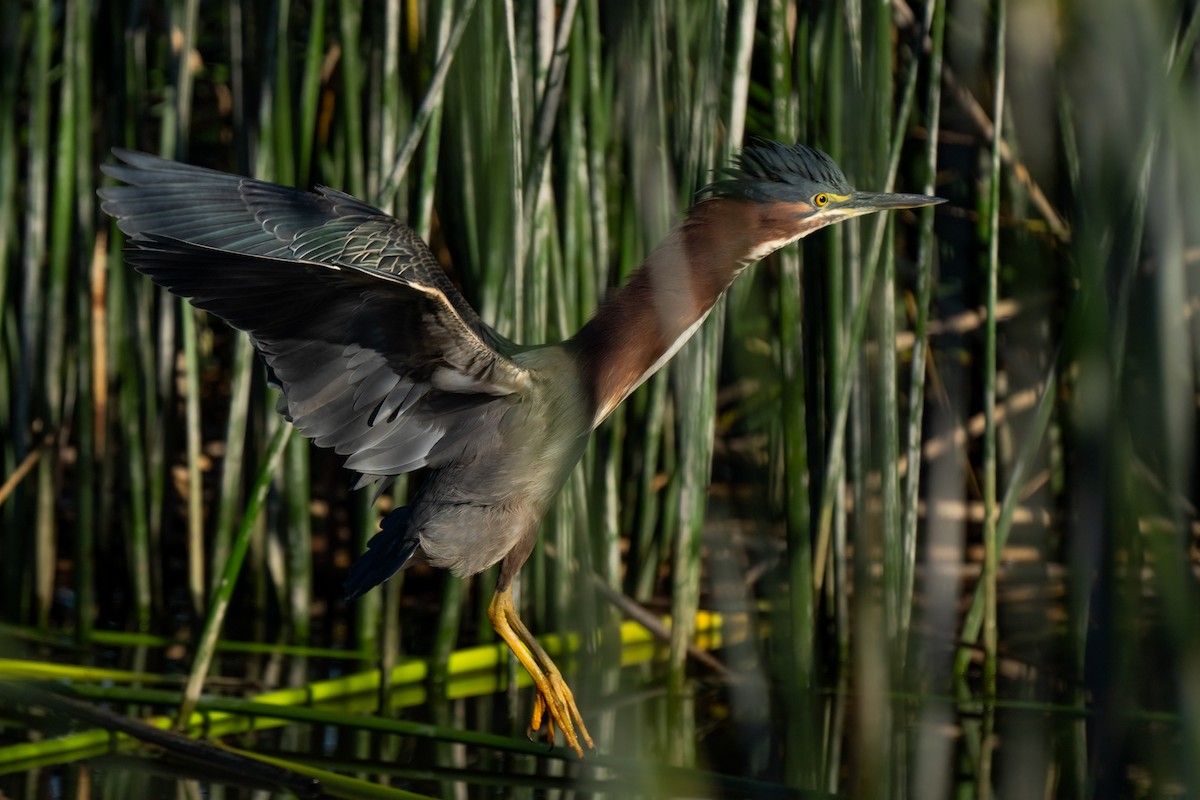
803, 185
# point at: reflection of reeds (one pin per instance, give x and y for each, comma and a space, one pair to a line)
1049, 312
467, 673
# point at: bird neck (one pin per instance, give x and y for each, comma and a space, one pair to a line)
643, 323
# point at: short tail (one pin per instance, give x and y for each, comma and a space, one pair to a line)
387, 552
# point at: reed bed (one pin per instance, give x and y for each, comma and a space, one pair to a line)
936, 468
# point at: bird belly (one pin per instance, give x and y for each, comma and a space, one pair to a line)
468, 539
471, 517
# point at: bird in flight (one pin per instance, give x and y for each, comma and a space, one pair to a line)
382, 360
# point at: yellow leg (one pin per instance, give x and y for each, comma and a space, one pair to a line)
553, 698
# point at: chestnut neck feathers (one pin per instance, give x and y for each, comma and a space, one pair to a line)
647, 320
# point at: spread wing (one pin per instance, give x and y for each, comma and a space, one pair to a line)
378, 355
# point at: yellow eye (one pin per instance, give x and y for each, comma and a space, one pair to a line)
821, 200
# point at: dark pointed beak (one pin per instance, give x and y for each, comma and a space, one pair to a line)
866, 202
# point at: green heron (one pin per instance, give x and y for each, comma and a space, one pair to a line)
381, 359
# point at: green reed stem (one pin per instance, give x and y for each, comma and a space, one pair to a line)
177, 132
924, 293
195, 506
431, 102
350, 28
206, 646
991, 551
233, 463
32, 314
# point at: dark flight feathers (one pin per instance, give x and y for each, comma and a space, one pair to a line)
378, 355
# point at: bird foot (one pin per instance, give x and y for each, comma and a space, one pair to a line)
554, 701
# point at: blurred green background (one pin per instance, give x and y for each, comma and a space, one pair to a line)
925, 485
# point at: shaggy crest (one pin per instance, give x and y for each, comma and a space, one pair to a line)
768, 170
